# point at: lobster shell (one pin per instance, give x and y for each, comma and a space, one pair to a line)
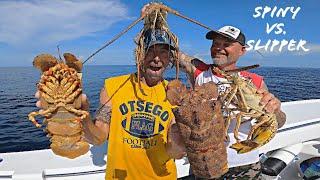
200, 122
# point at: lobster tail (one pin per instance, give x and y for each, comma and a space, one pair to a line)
261, 136
70, 150
245, 146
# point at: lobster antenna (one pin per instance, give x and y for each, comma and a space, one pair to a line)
115, 38
58, 47
260, 53
244, 68
163, 7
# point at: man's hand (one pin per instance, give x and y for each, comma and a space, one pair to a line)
269, 101
186, 63
175, 147
38, 103
144, 10
184, 57
85, 102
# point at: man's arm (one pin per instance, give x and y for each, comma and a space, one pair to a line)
97, 132
175, 146
188, 64
273, 104
185, 63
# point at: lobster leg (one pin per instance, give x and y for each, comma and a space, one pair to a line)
225, 95
32, 115
71, 90
239, 116
45, 88
73, 96
242, 100
232, 95
262, 120
227, 124
64, 81
48, 98
84, 114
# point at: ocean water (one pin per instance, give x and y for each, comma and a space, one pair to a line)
18, 85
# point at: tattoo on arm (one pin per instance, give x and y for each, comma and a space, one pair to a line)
103, 113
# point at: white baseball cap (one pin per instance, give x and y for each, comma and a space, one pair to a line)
229, 32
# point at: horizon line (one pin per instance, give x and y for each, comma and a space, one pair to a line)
311, 67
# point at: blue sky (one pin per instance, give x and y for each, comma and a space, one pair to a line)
29, 28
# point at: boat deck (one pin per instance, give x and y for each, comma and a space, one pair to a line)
303, 124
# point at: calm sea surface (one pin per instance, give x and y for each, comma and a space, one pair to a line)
18, 85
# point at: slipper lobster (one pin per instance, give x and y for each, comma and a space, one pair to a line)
60, 91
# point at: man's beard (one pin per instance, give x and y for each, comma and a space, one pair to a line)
223, 63
219, 62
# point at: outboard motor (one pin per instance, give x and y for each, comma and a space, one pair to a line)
279, 159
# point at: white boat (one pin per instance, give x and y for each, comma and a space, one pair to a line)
297, 140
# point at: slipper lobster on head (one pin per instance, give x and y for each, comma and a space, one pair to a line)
60, 91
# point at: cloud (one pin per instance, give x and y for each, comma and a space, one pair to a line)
52, 21
313, 48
